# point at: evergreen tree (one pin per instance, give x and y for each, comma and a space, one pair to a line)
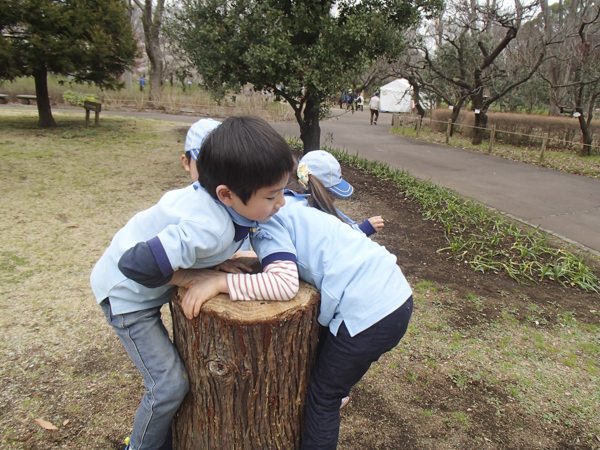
314, 47
89, 40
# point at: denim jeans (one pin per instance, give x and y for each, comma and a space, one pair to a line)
147, 343
342, 361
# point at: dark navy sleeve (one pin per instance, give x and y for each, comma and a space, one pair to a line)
367, 228
147, 264
280, 256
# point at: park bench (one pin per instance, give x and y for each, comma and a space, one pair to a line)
92, 106
3, 98
26, 99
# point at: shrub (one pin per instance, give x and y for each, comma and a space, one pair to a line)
77, 98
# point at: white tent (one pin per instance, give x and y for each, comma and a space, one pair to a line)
396, 96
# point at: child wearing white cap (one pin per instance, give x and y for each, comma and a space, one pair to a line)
193, 141
326, 168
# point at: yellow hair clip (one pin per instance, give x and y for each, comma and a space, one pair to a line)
303, 172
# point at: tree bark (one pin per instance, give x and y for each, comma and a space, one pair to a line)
586, 135
480, 115
249, 365
45, 119
310, 130
152, 23
456, 113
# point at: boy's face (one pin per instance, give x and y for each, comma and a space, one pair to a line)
190, 166
263, 204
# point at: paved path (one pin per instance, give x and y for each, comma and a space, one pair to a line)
565, 204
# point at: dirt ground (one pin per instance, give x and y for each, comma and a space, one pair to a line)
486, 362
375, 419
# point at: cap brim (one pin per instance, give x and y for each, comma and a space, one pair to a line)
195, 152
342, 189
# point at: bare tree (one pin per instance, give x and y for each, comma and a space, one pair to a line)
580, 52
152, 17
472, 53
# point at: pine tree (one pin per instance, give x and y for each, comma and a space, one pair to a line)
89, 40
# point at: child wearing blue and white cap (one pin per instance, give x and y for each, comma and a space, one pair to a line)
243, 170
366, 302
196, 135
193, 142
326, 168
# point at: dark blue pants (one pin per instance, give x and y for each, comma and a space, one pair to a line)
341, 362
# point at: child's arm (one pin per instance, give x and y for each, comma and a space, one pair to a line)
376, 222
279, 281
368, 227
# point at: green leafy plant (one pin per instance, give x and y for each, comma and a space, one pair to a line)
78, 98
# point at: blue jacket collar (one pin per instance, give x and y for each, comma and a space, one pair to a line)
241, 225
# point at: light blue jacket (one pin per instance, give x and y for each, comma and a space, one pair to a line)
359, 280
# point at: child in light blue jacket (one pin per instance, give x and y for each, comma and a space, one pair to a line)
366, 303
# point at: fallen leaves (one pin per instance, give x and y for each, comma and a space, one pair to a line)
45, 424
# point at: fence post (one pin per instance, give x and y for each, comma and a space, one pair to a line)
544, 143
393, 118
402, 125
448, 131
492, 136
418, 125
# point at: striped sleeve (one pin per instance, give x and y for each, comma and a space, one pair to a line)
279, 281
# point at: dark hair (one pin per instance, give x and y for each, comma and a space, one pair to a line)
320, 197
188, 156
244, 153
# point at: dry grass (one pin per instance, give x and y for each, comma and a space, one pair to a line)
529, 128
195, 100
65, 192
566, 161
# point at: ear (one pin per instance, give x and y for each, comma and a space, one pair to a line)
225, 195
185, 163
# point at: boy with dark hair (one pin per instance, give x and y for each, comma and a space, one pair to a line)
246, 164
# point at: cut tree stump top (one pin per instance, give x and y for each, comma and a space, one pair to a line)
256, 311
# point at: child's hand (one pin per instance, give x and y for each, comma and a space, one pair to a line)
206, 285
377, 222
244, 254
233, 266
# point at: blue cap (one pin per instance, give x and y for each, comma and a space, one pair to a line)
327, 169
196, 135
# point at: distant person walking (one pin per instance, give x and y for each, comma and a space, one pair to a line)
351, 100
142, 84
374, 107
359, 102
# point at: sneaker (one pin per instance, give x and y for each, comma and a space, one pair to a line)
375, 123
345, 401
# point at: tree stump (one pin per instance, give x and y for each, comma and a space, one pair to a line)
249, 365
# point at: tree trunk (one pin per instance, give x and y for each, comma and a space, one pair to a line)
310, 131
480, 114
480, 125
417, 96
152, 23
249, 365
586, 135
455, 113
45, 119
